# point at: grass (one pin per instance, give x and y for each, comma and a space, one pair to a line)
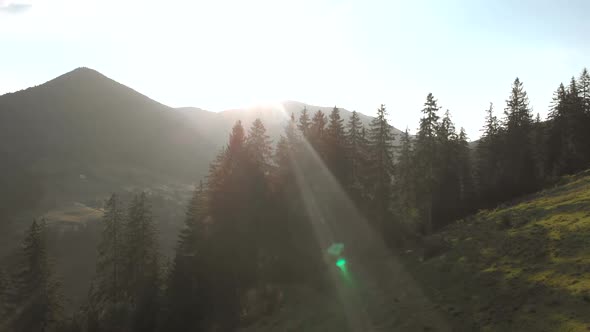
73, 213
524, 267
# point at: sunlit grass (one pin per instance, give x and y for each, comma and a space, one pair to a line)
520, 267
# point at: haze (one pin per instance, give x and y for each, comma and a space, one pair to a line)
219, 55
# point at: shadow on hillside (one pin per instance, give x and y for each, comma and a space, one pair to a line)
510, 280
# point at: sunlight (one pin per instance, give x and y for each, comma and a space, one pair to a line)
345, 226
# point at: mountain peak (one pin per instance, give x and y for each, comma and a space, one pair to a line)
80, 74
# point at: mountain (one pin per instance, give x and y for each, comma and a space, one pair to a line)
82, 135
216, 126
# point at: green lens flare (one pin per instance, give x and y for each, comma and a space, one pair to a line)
341, 262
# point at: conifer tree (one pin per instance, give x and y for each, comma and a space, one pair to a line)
39, 306
108, 294
519, 167
539, 147
466, 177
141, 276
405, 181
556, 132
584, 90
304, 122
356, 154
335, 145
259, 145
425, 156
187, 293
317, 133
380, 139
230, 230
109, 288
286, 149
447, 189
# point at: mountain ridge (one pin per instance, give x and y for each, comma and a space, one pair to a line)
85, 123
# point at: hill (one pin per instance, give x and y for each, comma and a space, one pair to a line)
216, 126
82, 135
520, 267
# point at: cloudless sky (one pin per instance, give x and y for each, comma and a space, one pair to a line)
355, 54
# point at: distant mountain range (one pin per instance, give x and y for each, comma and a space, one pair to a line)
83, 127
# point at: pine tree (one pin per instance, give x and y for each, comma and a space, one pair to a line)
232, 251
109, 288
356, 154
317, 133
286, 149
584, 90
517, 156
39, 306
426, 154
187, 293
381, 161
304, 122
487, 167
259, 145
298, 245
539, 147
555, 162
108, 295
405, 180
141, 276
466, 176
336, 145
577, 134
260, 200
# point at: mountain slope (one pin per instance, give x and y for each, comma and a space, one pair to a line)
276, 116
85, 126
522, 267
83, 118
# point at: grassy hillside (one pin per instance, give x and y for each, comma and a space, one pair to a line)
523, 267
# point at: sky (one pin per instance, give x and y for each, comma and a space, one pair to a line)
356, 54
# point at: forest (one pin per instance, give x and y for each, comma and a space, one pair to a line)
269, 215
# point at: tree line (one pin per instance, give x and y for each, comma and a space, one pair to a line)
253, 224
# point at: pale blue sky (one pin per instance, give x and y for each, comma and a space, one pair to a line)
356, 54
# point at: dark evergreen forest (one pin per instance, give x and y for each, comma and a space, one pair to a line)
272, 214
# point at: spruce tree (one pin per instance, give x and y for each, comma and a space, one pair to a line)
356, 155
487, 166
317, 134
466, 175
577, 135
286, 148
584, 89
260, 200
232, 251
557, 131
336, 145
187, 293
519, 167
141, 275
304, 122
39, 307
381, 139
425, 156
446, 192
109, 288
405, 180
108, 294
259, 147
